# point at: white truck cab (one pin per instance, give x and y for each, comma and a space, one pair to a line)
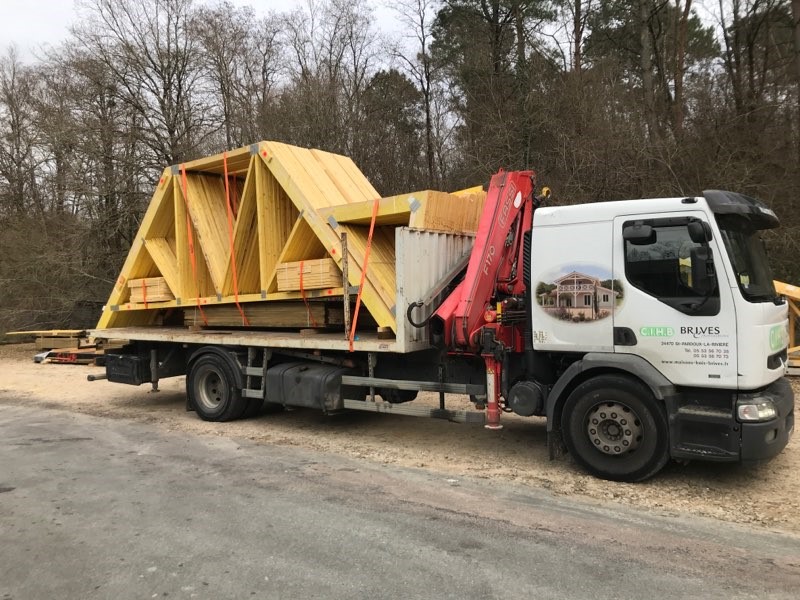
678, 293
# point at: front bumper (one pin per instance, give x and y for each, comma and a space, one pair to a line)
761, 441
704, 426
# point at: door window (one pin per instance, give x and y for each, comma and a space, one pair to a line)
667, 264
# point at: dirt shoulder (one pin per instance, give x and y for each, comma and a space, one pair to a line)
764, 495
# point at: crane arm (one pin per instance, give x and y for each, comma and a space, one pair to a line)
495, 261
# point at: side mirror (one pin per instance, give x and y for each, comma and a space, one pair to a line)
704, 279
699, 232
639, 234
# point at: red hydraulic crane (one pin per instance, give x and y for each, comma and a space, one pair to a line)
495, 271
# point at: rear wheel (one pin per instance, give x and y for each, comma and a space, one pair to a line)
212, 390
615, 429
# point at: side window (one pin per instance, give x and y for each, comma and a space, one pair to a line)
662, 259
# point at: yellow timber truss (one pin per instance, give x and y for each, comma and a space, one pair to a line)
287, 204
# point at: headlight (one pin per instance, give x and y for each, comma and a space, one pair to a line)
762, 410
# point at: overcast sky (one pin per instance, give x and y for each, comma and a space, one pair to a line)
29, 24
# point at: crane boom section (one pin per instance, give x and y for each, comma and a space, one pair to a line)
494, 256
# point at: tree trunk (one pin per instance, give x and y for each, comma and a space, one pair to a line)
645, 7
796, 28
519, 26
680, 67
577, 37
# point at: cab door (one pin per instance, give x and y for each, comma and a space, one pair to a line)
674, 308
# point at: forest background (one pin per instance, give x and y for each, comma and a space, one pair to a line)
605, 100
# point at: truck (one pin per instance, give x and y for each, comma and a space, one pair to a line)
641, 330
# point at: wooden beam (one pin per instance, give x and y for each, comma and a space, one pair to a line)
346, 164
301, 244
391, 211
209, 217
166, 262
207, 301
238, 161
194, 280
245, 239
381, 276
277, 216
293, 168
138, 262
270, 314
163, 223
787, 289
353, 189
186, 286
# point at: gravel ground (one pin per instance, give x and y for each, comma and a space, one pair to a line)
765, 495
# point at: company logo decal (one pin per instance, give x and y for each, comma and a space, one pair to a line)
652, 331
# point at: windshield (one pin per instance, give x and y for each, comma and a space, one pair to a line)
748, 256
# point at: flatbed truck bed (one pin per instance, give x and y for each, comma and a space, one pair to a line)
365, 342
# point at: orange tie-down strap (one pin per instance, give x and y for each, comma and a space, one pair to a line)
230, 240
311, 318
190, 237
363, 271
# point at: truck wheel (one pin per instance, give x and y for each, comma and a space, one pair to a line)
212, 390
615, 429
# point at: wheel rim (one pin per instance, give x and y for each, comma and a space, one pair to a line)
613, 428
211, 390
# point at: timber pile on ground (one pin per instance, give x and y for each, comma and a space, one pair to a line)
275, 235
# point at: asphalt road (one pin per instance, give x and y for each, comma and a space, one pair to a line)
101, 508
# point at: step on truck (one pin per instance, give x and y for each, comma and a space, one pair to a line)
642, 330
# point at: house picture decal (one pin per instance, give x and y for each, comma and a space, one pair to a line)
579, 297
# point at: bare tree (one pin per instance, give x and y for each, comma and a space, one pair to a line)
18, 135
148, 48
682, 15
646, 64
579, 12
334, 48
417, 62
239, 53
796, 40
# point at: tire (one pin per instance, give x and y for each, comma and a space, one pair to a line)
212, 391
615, 429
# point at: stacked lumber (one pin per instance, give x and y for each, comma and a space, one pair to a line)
232, 229
57, 342
50, 339
150, 289
309, 275
428, 210
278, 315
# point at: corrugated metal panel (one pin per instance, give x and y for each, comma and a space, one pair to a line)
423, 259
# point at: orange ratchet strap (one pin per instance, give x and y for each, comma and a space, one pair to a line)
230, 239
305, 300
363, 271
190, 237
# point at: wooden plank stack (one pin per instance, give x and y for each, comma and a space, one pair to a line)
230, 230
56, 342
150, 289
316, 274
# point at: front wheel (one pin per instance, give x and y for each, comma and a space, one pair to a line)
615, 429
